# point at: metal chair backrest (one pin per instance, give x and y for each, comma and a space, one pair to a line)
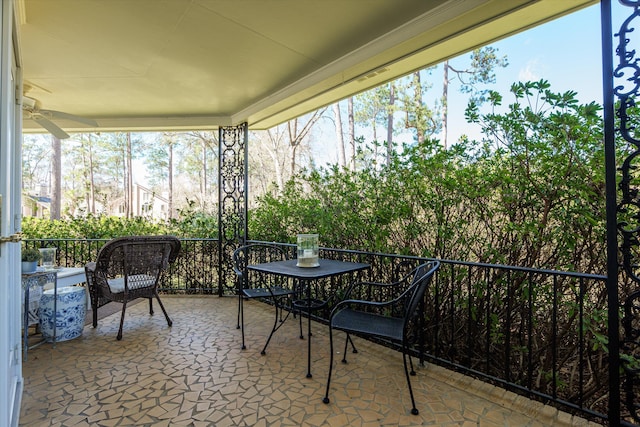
254, 253
421, 279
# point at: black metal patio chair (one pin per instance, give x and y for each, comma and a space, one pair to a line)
272, 288
128, 268
393, 320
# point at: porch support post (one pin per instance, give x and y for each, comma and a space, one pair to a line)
232, 200
611, 213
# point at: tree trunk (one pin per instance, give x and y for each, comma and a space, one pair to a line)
417, 107
170, 183
272, 145
339, 135
125, 193
56, 176
296, 138
445, 99
292, 125
203, 194
92, 183
129, 175
374, 129
392, 100
352, 133
86, 185
278, 170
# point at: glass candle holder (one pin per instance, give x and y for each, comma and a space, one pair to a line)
48, 258
308, 250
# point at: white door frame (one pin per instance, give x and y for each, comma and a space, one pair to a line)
11, 381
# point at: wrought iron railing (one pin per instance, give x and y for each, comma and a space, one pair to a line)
194, 272
536, 332
540, 333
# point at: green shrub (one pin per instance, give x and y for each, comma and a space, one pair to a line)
90, 227
530, 193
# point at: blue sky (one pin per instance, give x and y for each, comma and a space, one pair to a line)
566, 52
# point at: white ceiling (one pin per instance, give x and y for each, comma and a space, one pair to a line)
200, 64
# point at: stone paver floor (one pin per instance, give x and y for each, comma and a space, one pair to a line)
195, 374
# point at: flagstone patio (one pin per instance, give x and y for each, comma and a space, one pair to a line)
195, 374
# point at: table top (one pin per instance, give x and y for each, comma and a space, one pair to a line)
38, 272
61, 276
327, 268
60, 271
70, 271
38, 278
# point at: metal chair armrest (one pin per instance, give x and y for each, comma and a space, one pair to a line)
347, 302
356, 302
375, 284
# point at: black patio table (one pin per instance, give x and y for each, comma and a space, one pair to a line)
327, 268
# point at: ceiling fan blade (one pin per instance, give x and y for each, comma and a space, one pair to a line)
50, 126
62, 115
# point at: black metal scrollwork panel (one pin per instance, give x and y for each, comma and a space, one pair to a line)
626, 90
232, 215
631, 354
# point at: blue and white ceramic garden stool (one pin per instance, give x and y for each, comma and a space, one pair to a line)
71, 312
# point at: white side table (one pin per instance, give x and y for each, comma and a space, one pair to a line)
33, 283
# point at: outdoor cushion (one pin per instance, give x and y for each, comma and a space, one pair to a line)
135, 281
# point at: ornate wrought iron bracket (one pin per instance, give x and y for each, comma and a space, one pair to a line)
232, 208
626, 84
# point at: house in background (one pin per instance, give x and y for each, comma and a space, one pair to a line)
149, 204
36, 206
146, 203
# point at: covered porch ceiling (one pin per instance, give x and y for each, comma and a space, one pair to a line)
200, 64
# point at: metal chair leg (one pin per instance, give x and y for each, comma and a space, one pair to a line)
239, 309
277, 322
412, 372
241, 319
301, 334
94, 308
275, 328
166, 315
405, 354
124, 308
326, 394
353, 348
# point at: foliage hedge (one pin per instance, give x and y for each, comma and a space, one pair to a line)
530, 193
190, 223
90, 227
